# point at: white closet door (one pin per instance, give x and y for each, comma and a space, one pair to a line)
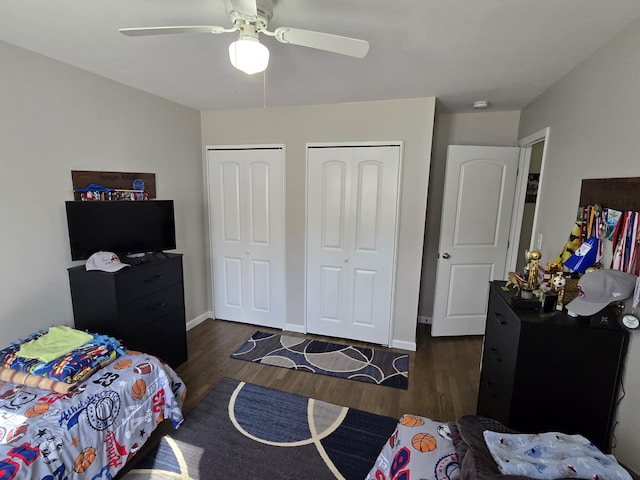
246, 205
352, 198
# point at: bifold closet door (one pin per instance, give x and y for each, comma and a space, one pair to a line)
246, 205
352, 200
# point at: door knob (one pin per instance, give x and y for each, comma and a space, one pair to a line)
446, 256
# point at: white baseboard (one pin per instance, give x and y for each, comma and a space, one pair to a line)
424, 320
411, 346
289, 327
198, 320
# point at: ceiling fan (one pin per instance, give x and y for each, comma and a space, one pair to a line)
251, 17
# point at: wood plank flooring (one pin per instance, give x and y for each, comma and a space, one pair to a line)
443, 373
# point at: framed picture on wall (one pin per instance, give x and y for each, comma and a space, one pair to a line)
532, 188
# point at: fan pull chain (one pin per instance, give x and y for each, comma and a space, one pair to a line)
264, 89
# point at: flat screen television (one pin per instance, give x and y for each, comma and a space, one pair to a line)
122, 227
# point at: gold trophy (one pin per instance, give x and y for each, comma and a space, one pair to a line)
533, 258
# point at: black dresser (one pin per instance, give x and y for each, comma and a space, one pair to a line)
549, 373
141, 305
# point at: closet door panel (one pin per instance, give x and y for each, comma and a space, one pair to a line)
326, 236
351, 228
246, 205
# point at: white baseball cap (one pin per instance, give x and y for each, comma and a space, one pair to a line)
598, 288
105, 261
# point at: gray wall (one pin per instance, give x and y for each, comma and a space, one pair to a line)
481, 128
54, 119
408, 120
594, 119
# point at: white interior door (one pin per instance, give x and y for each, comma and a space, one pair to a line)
352, 200
476, 216
246, 205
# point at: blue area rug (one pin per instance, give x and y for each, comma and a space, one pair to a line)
245, 431
371, 365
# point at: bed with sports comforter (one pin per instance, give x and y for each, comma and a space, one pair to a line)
479, 448
87, 428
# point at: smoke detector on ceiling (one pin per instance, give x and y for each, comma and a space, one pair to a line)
480, 104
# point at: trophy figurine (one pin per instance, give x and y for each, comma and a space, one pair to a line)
557, 283
533, 258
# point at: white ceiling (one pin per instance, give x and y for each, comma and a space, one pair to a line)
505, 51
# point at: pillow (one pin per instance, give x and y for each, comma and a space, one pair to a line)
476, 461
44, 383
418, 448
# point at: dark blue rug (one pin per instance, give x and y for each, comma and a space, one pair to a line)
245, 431
371, 365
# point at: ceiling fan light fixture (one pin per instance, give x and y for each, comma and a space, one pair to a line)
248, 55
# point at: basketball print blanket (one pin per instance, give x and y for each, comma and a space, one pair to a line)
91, 431
418, 448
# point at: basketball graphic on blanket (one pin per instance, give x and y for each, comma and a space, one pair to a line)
36, 410
424, 442
139, 389
411, 421
84, 460
122, 364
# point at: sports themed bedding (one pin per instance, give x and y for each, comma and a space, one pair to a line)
91, 430
70, 367
479, 448
419, 448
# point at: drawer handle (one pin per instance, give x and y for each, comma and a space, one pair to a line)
496, 355
499, 318
158, 305
155, 278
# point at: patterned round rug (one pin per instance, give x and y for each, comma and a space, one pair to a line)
241, 430
371, 365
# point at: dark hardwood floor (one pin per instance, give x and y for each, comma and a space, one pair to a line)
443, 373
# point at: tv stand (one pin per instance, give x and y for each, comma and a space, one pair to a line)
142, 305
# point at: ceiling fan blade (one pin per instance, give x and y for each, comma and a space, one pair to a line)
139, 32
323, 41
247, 9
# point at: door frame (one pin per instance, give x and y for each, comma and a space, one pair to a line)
525, 144
208, 212
394, 272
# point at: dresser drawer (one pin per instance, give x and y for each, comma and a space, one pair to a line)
502, 328
136, 314
496, 385
165, 338
140, 281
494, 399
